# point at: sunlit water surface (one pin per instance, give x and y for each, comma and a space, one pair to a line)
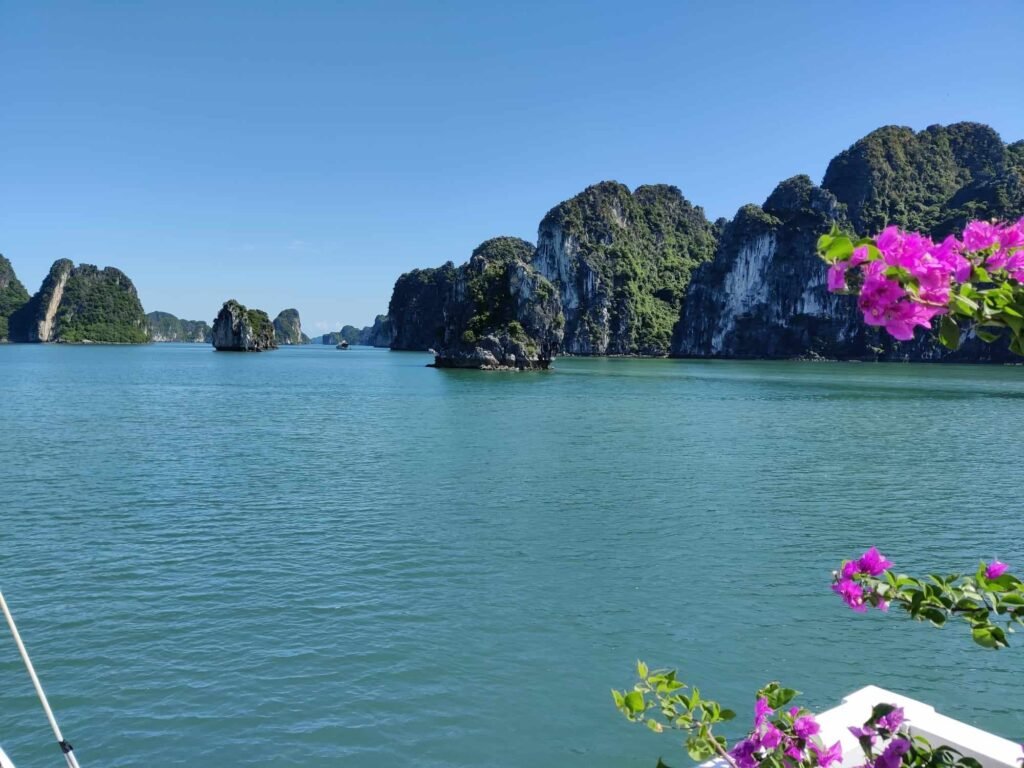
316, 558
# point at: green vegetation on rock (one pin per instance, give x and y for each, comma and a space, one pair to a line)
82, 304
933, 180
622, 262
13, 295
101, 306
500, 312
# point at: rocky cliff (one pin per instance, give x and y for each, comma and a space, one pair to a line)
238, 329
499, 312
163, 326
288, 328
621, 262
380, 334
13, 295
764, 294
415, 313
82, 304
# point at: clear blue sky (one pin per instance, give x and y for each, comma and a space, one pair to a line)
305, 154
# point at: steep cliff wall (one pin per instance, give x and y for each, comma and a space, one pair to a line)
621, 262
239, 329
415, 313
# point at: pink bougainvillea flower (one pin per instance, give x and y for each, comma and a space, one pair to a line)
837, 277
827, 756
806, 726
892, 721
794, 752
761, 711
743, 754
979, 235
893, 754
995, 569
852, 594
771, 738
873, 563
1015, 266
867, 732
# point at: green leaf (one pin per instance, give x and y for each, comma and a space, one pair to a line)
662, 764
635, 701
620, 700
641, 669
698, 749
654, 725
840, 249
983, 636
985, 336
726, 714
949, 332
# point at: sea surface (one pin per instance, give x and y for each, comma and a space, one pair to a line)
321, 558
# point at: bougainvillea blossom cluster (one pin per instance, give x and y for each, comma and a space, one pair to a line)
905, 279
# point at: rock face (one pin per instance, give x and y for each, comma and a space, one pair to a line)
621, 262
165, 327
500, 313
288, 328
13, 295
380, 334
238, 329
82, 304
415, 313
764, 295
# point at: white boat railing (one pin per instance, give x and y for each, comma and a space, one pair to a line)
65, 747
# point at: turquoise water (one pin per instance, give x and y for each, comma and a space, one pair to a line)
316, 558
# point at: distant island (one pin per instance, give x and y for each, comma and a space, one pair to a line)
376, 335
288, 328
163, 326
616, 271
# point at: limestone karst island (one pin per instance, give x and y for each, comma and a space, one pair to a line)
618, 272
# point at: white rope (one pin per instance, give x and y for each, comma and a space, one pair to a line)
64, 746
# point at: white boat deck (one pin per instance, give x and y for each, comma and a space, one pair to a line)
990, 750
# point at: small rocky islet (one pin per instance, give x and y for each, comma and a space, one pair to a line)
617, 272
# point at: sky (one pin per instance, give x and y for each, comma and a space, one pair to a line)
304, 154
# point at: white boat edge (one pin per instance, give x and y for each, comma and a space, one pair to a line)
988, 749
5, 761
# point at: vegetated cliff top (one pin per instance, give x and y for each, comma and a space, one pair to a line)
95, 305
13, 295
932, 180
